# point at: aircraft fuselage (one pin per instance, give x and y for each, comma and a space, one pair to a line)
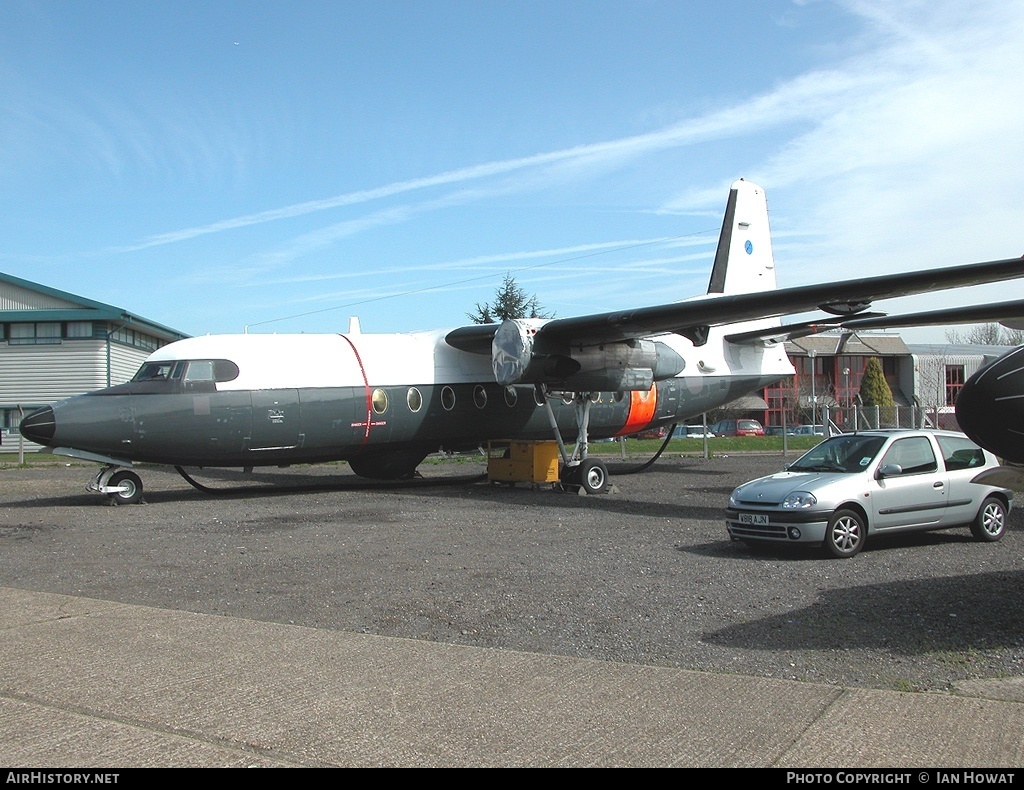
380, 401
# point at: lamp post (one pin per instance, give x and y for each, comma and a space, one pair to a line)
846, 391
814, 398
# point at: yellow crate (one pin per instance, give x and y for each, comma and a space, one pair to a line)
527, 462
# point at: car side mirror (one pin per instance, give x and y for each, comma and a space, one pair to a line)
890, 470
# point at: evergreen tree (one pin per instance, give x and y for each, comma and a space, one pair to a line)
510, 301
874, 389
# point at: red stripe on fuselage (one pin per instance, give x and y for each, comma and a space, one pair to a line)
366, 389
642, 406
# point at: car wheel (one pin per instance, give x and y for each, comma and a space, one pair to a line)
990, 523
846, 533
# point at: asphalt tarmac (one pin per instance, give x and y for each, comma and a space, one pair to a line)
326, 622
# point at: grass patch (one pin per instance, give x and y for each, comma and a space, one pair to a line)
10, 460
719, 445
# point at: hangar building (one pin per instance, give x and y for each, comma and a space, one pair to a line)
54, 345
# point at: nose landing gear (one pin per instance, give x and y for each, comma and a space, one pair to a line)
122, 486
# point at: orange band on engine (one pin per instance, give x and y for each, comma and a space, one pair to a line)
642, 406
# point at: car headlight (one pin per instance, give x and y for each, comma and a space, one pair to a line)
800, 499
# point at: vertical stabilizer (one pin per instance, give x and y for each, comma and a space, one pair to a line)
744, 261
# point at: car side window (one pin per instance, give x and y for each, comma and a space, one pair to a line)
960, 453
914, 455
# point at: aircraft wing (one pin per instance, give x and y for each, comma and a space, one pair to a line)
999, 311
692, 318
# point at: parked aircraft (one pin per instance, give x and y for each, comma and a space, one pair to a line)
384, 402
990, 405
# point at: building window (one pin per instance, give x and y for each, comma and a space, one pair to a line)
78, 329
136, 339
954, 382
34, 334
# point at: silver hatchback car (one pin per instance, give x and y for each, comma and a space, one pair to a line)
856, 485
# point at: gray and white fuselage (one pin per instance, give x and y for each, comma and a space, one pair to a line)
384, 401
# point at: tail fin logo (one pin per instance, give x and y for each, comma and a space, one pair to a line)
749, 247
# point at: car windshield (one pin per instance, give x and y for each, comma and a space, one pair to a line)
848, 453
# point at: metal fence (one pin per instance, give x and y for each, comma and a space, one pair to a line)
865, 417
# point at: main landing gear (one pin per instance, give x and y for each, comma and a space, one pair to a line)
122, 486
589, 474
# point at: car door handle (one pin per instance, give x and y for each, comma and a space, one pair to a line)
937, 485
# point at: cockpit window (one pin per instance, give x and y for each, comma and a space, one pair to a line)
191, 371
224, 370
156, 371
200, 370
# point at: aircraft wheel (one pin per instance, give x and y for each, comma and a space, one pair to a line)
593, 476
131, 484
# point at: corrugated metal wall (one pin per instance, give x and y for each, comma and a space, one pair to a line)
40, 374
14, 297
930, 375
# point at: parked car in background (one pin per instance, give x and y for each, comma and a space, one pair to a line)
653, 433
808, 430
692, 432
778, 430
737, 428
856, 485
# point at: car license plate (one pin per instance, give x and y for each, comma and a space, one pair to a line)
753, 518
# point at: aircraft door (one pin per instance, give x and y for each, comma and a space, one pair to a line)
276, 420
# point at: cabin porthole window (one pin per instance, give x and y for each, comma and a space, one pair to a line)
379, 399
448, 398
414, 399
511, 396
479, 396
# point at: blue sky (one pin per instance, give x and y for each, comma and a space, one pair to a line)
281, 166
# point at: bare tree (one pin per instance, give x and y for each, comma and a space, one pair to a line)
987, 335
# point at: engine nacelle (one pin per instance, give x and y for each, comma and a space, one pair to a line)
518, 357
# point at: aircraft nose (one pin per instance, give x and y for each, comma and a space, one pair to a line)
990, 407
39, 426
